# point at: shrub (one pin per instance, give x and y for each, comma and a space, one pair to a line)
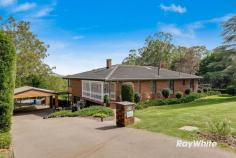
190, 98
137, 98
74, 108
140, 106
187, 91
100, 115
199, 91
179, 95
231, 90
106, 100
7, 80
166, 92
205, 90
90, 111
127, 92
5, 140
220, 128
62, 113
96, 109
209, 93
171, 101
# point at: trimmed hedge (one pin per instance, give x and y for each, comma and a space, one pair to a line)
186, 99
5, 140
127, 92
166, 92
7, 81
187, 91
90, 111
231, 90
179, 95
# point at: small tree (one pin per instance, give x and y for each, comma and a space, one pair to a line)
127, 92
166, 92
187, 91
7, 80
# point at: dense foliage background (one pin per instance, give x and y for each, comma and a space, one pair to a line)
30, 50
218, 66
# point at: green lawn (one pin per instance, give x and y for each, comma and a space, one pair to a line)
168, 119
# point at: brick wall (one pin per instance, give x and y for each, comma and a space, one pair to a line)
142, 87
76, 88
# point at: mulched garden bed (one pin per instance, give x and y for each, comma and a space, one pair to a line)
226, 140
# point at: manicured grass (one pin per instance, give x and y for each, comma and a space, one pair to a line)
90, 111
168, 119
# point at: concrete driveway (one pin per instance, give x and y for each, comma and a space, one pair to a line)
35, 137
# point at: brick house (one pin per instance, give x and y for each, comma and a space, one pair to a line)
95, 84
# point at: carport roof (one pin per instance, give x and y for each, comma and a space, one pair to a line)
28, 88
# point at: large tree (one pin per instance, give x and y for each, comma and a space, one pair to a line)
229, 33
218, 68
132, 59
30, 51
159, 51
188, 59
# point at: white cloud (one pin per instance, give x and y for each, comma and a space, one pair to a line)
24, 7
6, 3
44, 12
173, 8
221, 19
189, 30
78, 37
178, 32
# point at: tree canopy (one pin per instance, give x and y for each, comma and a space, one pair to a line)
218, 67
31, 51
161, 52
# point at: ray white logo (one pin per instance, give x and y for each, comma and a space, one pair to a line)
196, 144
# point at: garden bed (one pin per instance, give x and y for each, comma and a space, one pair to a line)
95, 112
171, 101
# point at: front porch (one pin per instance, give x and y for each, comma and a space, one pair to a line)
96, 90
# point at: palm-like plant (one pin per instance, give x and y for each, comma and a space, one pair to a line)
229, 33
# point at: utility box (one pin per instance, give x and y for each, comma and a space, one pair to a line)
124, 113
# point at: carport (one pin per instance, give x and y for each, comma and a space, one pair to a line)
26, 94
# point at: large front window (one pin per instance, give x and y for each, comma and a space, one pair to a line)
192, 85
171, 86
96, 90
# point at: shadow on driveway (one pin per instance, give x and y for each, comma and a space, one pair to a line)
108, 127
33, 111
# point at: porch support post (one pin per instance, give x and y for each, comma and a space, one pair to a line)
109, 89
56, 100
102, 83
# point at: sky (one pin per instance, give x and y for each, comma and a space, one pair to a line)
82, 34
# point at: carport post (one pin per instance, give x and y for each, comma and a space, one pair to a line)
56, 100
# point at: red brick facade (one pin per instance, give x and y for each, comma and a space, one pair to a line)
142, 87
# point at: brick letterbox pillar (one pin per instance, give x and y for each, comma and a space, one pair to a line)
124, 113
